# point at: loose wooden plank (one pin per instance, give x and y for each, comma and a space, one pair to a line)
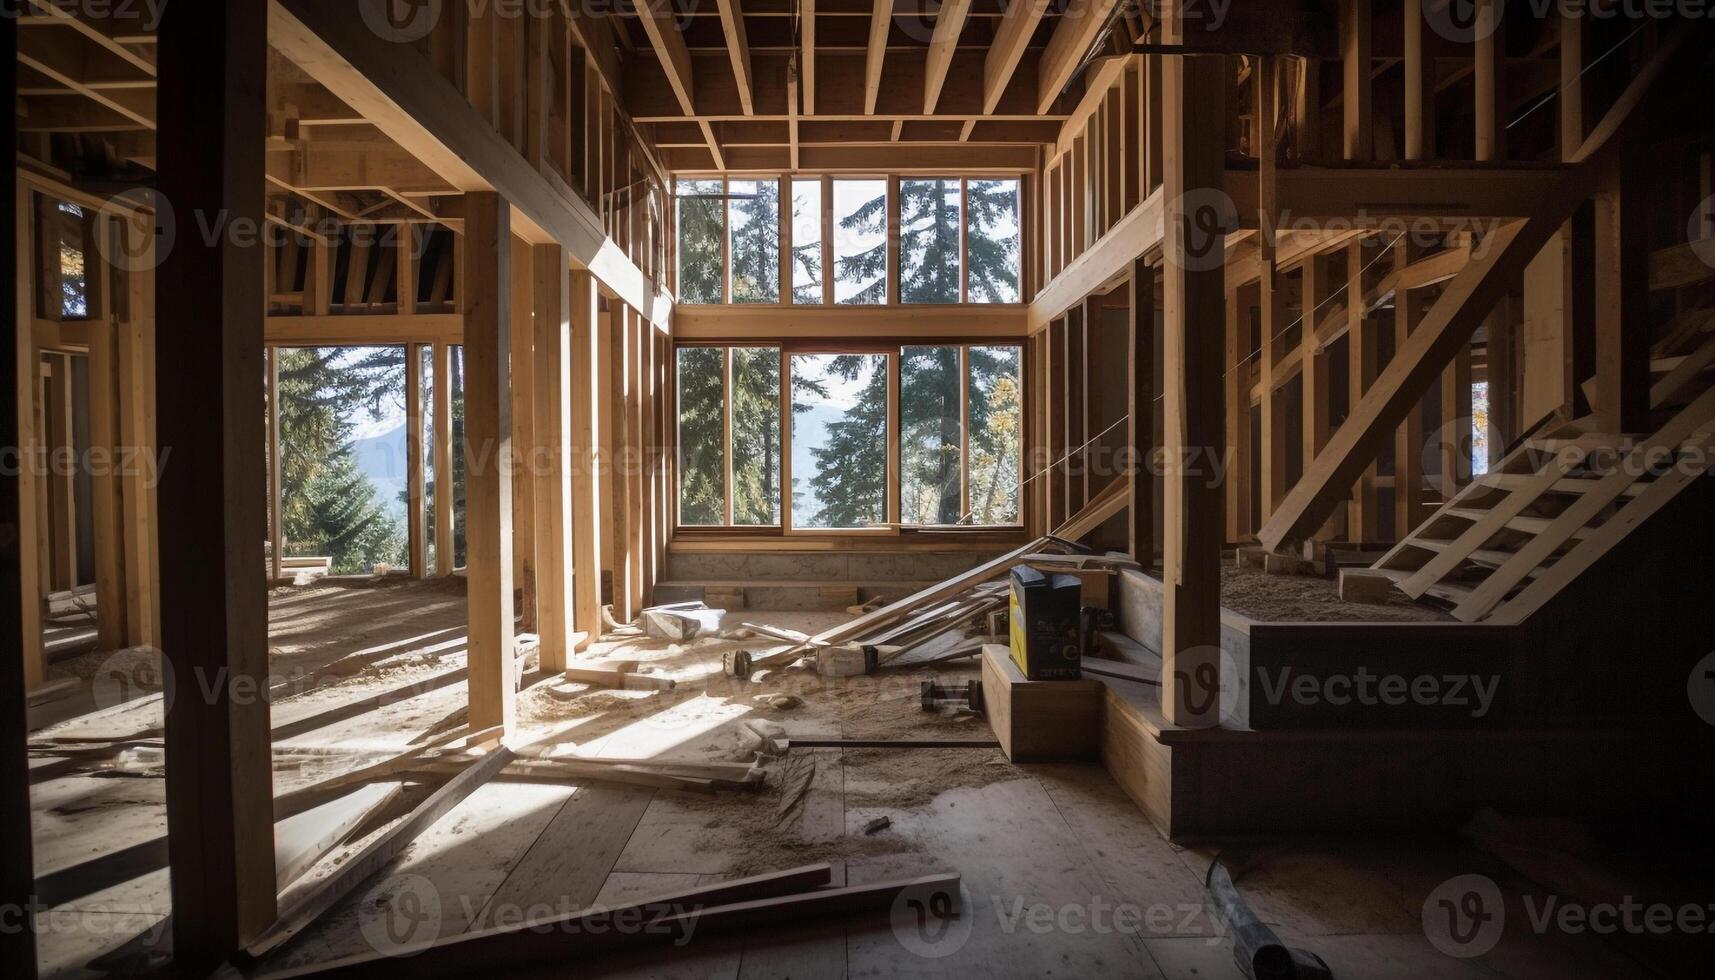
571, 860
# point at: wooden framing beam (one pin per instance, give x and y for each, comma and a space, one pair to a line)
616, 536
1358, 137
403, 95
586, 389
20, 638
949, 25
213, 606
1193, 88
807, 53
137, 428
416, 491
1074, 33
522, 282
1017, 27
442, 445
486, 302
880, 23
738, 48
1465, 302
1622, 309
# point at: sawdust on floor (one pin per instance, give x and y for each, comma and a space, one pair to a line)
1308, 599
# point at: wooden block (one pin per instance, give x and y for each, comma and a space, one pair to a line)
1037, 721
724, 597
1363, 585
839, 596
1250, 558
1284, 565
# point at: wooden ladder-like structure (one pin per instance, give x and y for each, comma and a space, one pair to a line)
1559, 501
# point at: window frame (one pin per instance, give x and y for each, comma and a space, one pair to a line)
893, 348
785, 293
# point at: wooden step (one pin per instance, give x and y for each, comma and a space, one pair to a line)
1571, 485
1487, 557
1441, 590
1527, 525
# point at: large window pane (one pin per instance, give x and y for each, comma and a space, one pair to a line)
997, 433
807, 241
860, 241
929, 419
701, 228
929, 241
839, 440
753, 221
993, 249
342, 455
756, 435
702, 442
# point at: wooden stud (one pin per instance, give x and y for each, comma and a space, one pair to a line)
550, 461
416, 517
586, 388
1314, 371
1622, 299
1358, 134
1363, 522
213, 57
1419, 86
1490, 79
137, 429
634, 455
20, 642
1140, 436
1456, 425
616, 536
1236, 421
443, 450
1193, 89
523, 397
276, 509
487, 452
57, 411
1408, 509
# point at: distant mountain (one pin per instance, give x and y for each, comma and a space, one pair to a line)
381, 457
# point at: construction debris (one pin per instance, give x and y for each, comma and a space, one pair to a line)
625, 678
878, 825
681, 621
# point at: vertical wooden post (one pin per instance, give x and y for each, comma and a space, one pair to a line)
1054, 417
1358, 132
523, 358
585, 386
1490, 79
1237, 423
1075, 369
1361, 527
1314, 361
1503, 378
57, 412
1140, 422
1622, 299
1088, 480
220, 843
416, 518
1419, 86
1456, 424
488, 464
617, 535
137, 430
276, 530
634, 455
1193, 159
443, 448
550, 459
1408, 510
21, 634
105, 511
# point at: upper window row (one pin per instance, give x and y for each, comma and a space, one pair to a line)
959, 241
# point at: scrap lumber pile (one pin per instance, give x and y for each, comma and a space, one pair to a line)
891, 631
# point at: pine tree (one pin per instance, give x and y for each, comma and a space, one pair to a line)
327, 505
754, 207
702, 468
929, 241
851, 466
700, 223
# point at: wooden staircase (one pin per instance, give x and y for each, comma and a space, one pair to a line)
1560, 500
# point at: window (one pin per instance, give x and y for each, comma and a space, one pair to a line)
839, 440
960, 419
701, 229
996, 437
702, 439
753, 223
756, 435
993, 242
929, 264
930, 423
807, 241
860, 241
342, 455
